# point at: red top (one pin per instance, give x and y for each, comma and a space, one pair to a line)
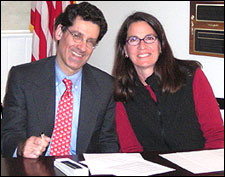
207, 111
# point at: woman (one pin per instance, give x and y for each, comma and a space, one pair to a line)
163, 103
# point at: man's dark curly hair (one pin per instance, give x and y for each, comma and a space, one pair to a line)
85, 10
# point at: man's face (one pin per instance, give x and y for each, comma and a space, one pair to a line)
75, 45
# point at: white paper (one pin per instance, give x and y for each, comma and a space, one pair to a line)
122, 164
204, 161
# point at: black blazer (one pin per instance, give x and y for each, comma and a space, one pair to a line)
29, 107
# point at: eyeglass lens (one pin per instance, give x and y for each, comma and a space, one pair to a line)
77, 37
148, 39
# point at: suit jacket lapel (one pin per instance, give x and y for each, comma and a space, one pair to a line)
44, 96
88, 109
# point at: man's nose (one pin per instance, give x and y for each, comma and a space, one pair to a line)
82, 45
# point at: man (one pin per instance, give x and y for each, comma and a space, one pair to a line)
34, 100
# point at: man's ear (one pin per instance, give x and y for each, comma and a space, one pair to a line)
58, 32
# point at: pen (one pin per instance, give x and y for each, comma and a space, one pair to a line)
42, 135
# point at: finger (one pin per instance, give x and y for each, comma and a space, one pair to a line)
47, 139
41, 148
31, 154
33, 148
43, 141
38, 141
37, 153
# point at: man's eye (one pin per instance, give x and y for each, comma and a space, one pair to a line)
76, 35
91, 43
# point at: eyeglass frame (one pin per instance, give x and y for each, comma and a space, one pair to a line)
156, 37
81, 40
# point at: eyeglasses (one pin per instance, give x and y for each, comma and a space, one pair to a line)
134, 40
78, 37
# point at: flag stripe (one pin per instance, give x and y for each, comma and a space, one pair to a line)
43, 14
35, 45
58, 8
39, 32
51, 12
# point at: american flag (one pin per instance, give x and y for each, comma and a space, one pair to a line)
43, 15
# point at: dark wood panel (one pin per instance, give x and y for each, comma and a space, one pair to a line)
208, 25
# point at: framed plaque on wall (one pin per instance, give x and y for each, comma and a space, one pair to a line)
207, 28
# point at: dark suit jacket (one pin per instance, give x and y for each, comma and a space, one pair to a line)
29, 107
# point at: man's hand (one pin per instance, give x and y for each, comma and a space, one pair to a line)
33, 147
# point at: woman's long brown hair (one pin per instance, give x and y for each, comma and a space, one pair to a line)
172, 72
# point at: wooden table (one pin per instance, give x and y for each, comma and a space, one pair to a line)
44, 166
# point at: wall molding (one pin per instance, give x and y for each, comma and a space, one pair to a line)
16, 48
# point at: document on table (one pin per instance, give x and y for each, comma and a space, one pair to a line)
122, 164
204, 161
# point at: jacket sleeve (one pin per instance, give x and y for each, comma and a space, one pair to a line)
14, 115
208, 112
108, 138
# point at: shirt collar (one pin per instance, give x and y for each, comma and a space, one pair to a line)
60, 75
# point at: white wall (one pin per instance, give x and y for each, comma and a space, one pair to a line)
15, 15
174, 16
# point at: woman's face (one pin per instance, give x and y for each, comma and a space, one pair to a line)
143, 55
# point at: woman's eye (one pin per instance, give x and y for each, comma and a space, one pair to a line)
133, 39
150, 38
